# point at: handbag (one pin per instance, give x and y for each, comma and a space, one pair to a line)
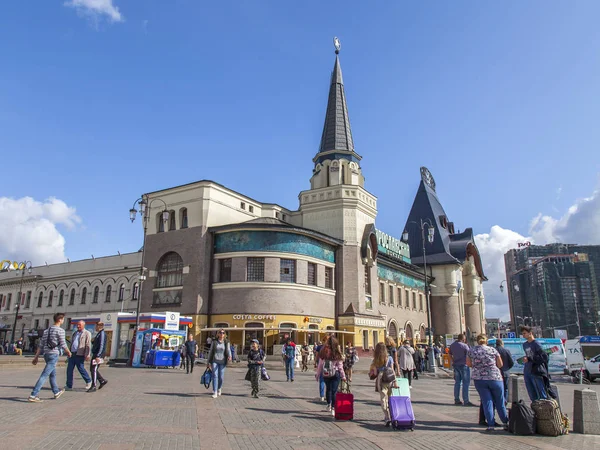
206, 378
388, 375
373, 373
248, 377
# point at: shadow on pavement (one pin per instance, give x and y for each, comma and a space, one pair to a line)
173, 394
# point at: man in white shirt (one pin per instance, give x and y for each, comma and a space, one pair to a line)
80, 349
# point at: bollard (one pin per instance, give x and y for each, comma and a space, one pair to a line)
586, 412
516, 389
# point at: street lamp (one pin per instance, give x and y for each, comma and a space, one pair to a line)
25, 266
144, 209
426, 224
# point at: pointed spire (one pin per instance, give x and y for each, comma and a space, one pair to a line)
336, 130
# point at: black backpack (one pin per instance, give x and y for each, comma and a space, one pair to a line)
521, 419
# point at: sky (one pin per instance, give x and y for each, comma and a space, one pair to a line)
103, 100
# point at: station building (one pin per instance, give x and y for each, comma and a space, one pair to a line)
259, 270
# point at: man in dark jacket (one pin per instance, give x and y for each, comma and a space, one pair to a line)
507, 363
98, 352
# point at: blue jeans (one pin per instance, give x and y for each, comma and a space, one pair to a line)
289, 368
535, 387
79, 362
49, 371
331, 385
321, 386
218, 371
462, 374
505, 378
491, 393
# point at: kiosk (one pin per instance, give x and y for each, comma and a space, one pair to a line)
167, 355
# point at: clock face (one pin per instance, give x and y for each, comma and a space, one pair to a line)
427, 177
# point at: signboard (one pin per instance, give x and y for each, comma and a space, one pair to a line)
449, 339
511, 335
560, 334
266, 317
137, 353
554, 347
392, 246
590, 339
109, 320
171, 320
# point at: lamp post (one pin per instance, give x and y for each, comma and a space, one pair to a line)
144, 210
430, 236
25, 266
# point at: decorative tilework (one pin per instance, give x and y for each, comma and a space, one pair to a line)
273, 241
387, 273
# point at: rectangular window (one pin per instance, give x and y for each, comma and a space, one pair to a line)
329, 277
46, 323
242, 205
37, 324
367, 280
420, 302
366, 339
287, 270
256, 269
407, 298
414, 296
8, 300
375, 337
224, 270
312, 274
251, 208
369, 303
399, 299
391, 299
381, 293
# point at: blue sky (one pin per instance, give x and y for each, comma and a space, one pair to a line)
500, 100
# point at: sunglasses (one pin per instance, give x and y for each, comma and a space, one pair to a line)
221, 332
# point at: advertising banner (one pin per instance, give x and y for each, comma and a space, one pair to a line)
557, 361
171, 320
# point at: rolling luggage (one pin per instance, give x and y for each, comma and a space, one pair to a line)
549, 419
402, 388
344, 403
401, 413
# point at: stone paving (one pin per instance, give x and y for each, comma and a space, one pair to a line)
167, 409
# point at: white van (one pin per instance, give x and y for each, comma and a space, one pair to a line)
584, 352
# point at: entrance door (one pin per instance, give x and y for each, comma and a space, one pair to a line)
365, 339
283, 333
313, 337
253, 334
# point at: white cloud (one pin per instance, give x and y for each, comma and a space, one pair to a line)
28, 229
579, 225
96, 9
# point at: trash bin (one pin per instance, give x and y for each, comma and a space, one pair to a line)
447, 362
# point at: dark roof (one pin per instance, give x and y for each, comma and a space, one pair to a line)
269, 222
337, 134
447, 247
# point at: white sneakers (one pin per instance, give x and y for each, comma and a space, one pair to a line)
332, 412
59, 393
214, 395
88, 385
322, 399
219, 392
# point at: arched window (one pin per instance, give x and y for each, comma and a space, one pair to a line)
183, 219
170, 271
121, 292
50, 297
72, 297
172, 224
96, 293
61, 296
136, 289
83, 296
422, 333
409, 331
40, 299
108, 292
393, 330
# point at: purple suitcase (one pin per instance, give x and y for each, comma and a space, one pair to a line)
401, 413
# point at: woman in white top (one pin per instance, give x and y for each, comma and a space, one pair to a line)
406, 361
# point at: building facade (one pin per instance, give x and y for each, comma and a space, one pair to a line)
264, 271
554, 287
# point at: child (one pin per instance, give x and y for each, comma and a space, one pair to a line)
255, 361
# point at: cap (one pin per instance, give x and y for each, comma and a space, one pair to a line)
255, 340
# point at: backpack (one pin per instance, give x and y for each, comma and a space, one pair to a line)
329, 370
521, 419
549, 419
51, 339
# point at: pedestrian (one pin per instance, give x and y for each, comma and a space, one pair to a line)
406, 361
331, 369
422, 357
53, 341
536, 366
181, 351
289, 355
190, 350
437, 351
508, 362
304, 351
256, 359
80, 349
351, 358
390, 345
486, 363
218, 357
462, 374
382, 360
417, 361
316, 349
98, 354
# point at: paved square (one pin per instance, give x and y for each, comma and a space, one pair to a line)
167, 409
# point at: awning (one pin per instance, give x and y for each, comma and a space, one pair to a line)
301, 330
